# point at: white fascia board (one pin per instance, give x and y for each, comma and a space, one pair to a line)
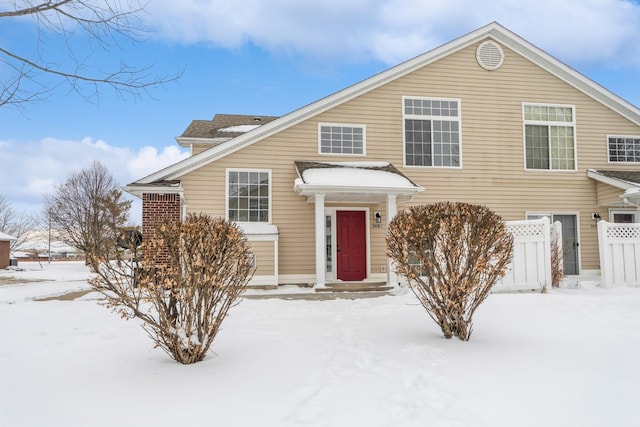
614, 182
188, 141
138, 189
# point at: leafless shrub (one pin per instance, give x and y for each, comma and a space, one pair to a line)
451, 254
190, 275
557, 266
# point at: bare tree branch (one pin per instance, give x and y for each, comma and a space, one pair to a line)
88, 211
15, 224
103, 22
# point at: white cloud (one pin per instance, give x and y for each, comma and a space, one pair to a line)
393, 30
149, 160
31, 169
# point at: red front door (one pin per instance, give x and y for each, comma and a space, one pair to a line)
351, 245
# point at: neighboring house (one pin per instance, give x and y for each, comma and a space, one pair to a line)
487, 118
5, 249
36, 245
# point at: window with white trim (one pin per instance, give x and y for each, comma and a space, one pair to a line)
431, 132
248, 195
549, 134
624, 149
622, 216
341, 139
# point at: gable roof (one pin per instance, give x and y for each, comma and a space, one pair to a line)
222, 128
493, 31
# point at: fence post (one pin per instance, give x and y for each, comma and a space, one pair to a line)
603, 246
547, 254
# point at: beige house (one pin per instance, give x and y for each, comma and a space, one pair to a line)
487, 118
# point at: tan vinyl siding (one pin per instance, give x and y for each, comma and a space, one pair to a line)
609, 196
263, 251
199, 148
492, 148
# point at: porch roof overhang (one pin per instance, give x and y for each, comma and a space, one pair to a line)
632, 196
623, 179
355, 182
627, 180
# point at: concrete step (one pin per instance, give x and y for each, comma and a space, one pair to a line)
355, 287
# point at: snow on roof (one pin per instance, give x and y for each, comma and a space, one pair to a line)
353, 174
354, 177
5, 237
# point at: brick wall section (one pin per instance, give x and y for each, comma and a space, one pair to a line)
157, 208
4, 253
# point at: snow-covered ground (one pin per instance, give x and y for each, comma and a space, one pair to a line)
567, 358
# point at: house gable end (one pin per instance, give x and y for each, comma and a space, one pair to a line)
492, 31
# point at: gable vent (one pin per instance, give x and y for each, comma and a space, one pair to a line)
490, 55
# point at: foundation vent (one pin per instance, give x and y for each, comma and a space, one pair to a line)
490, 55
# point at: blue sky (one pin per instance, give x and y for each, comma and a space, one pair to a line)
269, 58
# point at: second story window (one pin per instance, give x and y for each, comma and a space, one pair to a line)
341, 139
549, 134
431, 132
624, 149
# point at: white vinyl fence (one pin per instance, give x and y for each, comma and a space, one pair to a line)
530, 268
619, 254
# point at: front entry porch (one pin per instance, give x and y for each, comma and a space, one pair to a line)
345, 225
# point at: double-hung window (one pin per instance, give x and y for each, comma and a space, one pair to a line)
341, 139
624, 149
248, 195
549, 134
431, 132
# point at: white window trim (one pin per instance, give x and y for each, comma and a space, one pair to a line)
548, 123
414, 116
613, 211
620, 136
226, 193
352, 125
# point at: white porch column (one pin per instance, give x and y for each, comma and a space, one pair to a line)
392, 210
320, 241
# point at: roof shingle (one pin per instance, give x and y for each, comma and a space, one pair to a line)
216, 128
